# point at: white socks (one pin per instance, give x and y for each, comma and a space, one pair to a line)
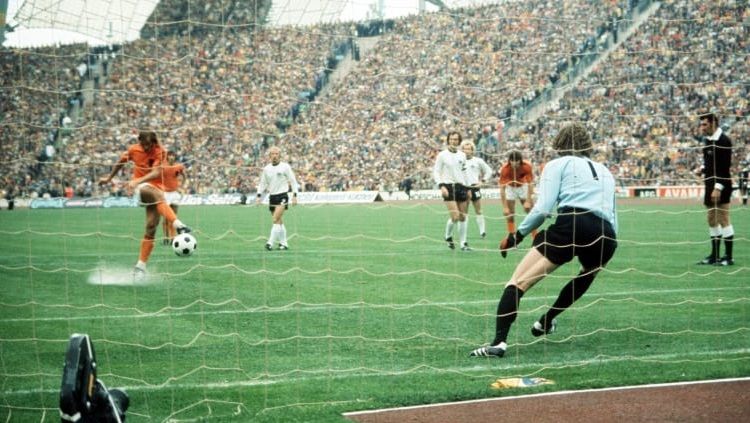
462, 232
480, 223
278, 233
449, 229
282, 234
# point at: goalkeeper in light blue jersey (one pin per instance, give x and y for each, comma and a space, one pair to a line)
586, 225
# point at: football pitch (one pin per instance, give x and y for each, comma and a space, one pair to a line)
368, 309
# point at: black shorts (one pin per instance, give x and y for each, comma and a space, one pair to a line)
456, 192
577, 233
278, 200
724, 198
476, 194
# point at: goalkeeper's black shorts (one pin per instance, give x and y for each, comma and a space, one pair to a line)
577, 233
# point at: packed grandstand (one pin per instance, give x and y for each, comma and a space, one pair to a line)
220, 87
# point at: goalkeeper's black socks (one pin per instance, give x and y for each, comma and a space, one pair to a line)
715, 247
728, 246
507, 310
569, 294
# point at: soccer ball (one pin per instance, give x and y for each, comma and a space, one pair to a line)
184, 245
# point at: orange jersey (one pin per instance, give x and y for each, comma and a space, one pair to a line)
170, 176
144, 161
516, 177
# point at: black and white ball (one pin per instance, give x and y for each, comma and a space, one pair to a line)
184, 245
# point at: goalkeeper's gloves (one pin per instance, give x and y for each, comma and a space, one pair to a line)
511, 241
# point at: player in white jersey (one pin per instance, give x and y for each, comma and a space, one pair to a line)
278, 179
449, 175
477, 173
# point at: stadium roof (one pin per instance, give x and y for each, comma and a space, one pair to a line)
101, 22
308, 12
97, 22
295, 12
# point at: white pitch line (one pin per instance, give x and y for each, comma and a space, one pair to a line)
549, 394
424, 369
326, 307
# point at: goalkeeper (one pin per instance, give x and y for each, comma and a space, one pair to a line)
586, 224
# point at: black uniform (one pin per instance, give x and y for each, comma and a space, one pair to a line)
717, 161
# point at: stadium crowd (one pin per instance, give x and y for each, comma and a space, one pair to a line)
433, 73
221, 94
37, 85
644, 98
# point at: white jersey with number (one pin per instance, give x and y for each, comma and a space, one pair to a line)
277, 179
477, 170
449, 168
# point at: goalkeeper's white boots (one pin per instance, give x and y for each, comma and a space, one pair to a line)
490, 351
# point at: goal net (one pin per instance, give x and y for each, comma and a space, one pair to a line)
368, 308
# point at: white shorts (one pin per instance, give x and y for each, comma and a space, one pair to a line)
516, 193
172, 198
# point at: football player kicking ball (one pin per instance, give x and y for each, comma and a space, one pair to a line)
586, 224
278, 179
146, 184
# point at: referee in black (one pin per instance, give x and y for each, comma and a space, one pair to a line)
717, 162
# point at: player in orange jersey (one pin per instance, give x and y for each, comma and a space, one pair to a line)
173, 177
516, 183
147, 157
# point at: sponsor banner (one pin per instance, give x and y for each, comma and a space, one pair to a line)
677, 191
434, 194
85, 202
110, 202
394, 196
666, 192
643, 192
47, 203
93, 202
682, 192
329, 197
339, 197
211, 200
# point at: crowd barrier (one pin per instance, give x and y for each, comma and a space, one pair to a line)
665, 192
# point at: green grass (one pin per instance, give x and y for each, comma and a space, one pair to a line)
368, 309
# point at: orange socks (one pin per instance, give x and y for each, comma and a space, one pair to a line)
511, 227
166, 211
147, 245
